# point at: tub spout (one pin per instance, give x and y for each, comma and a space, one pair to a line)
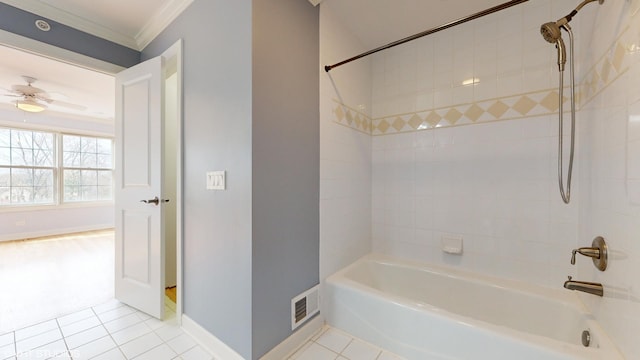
584, 286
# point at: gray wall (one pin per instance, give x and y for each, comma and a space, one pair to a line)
22, 22
285, 163
217, 136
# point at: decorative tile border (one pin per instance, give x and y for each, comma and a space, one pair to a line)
538, 103
606, 71
350, 117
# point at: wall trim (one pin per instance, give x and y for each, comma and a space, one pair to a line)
53, 52
42, 9
295, 340
38, 234
158, 22
212, 344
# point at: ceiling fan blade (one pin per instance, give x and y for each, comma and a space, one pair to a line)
66, 104
27, 89
11, 95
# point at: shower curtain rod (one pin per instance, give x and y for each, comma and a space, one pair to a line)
463, 20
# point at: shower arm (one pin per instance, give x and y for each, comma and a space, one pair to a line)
585, 2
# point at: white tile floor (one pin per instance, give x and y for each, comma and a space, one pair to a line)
114, 331
333, 344
110, 331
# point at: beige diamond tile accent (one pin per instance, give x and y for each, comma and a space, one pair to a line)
524, 105
383, 126
474, 112
357, 121
349, 117
551, 101
398, 123
618, 57
498, 109
593, 85
606, 70
453, 116
339, 113
415, 122
433, 119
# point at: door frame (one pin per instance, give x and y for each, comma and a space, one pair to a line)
175, 51
75, 59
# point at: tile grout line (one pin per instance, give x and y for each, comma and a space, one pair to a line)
15, 346
108, 334
64, 339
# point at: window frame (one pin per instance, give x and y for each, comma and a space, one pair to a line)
62, 168
53, 168
58, 170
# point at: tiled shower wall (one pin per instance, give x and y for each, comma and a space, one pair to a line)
345, 152
610, 174
485, 167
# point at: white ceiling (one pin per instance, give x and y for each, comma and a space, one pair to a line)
64, 82
379, 22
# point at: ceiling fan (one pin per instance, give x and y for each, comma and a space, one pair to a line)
33, 99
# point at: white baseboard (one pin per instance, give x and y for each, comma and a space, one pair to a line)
217, 348
283, 350
295, 340
53, 232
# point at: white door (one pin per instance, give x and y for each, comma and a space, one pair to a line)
139, 277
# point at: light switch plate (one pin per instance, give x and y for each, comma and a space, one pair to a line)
216, 180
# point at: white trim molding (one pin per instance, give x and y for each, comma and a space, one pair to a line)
220, 350
161, 18
50, 12
212, 344
159, 21
53, 52
296, 340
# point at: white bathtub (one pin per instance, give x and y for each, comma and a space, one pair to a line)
427, 312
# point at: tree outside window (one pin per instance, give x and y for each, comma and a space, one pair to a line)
31, 172
27, 167
87, 168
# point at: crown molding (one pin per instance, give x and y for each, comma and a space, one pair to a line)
74, 21
159, 21
53, 52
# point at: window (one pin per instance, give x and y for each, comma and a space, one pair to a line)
37, 166
87, 168
27, 167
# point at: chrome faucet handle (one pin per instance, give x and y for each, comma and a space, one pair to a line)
573, 258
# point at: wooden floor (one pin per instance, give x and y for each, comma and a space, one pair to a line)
171, 293
48, 277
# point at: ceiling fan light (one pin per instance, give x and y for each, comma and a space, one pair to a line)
30, 106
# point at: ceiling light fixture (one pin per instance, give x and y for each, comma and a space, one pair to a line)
43, 25
30, 106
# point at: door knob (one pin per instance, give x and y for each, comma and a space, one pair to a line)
155, 201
